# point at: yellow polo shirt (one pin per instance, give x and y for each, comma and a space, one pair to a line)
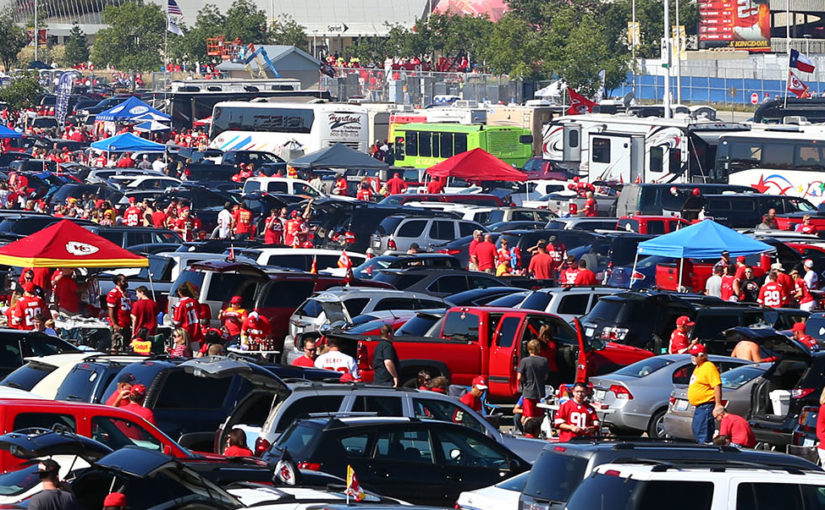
705, 377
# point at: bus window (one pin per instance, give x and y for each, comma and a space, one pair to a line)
436, 145
601, 150
460, 143
411, 145
778, 155
745, 155
657, 158
675, 161
424, 144
399, 147
810, 156
446, 145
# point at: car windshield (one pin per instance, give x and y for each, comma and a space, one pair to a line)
738, 377
644, 367
27, 376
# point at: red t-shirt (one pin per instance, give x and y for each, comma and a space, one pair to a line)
145, 312
244, 221
590, 208
771, 295
786, 281
116, 299
396, 185
26, 309
65, 291
111, 400
541, 266
237, 451
158, 219
678, 341
186, 316
585, 277
233, 318
580, 415
303, 361
727, 287
486, 254
471, 401
738, 430
141, 411
41, 277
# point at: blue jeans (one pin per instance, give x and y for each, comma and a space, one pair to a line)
704, 423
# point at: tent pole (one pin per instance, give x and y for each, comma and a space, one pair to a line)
681, 268
635, 260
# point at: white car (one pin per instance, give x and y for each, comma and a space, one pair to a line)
302, 258
501, 496
145, 182
281, 185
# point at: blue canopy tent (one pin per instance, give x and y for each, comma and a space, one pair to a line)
131, 109
703, 240
6, 132
127, 142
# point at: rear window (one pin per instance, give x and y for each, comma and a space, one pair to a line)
287, 294
46, 346
399, 281
25, 377
185, 391
302, 408
388, 225
461, 326
539, 301
299, 438
555, 476
644, 367
225, 285
738, 377
618, 311
79, 383
790, 496
632, 494
310, 308
417, 326
17, 482
194, 278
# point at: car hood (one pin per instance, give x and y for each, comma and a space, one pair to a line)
48, 444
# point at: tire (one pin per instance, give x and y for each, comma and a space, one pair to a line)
656, 426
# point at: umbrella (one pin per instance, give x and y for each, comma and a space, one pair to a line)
152, 126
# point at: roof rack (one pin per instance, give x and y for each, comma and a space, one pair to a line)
716, 466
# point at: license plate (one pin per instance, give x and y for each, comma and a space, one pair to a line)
680, 405
599, 394
808, 441
376, 243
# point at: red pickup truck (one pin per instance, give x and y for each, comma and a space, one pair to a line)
491, 341
651, 224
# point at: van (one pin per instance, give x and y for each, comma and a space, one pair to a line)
285, 185
653, 199
745, 211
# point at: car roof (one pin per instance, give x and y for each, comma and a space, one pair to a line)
338, 293
690, 471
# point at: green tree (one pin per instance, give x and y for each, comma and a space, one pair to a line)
22, 91
133, 39
286, 30
12, 38
77, 47
246, 22
513, 48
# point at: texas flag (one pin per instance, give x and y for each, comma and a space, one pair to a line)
353, 487
796, 86
801, 62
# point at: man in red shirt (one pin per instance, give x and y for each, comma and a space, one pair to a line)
679, 342
28, 307
66, 293
40, 276
735, 428
125, 161
557, 251
310, 353
472, 398
591, 209
783, 279
232, 318
771, 293
729, 284
584, 277
435, 186
541, 264
575, 417
137, 395
396, 185
120, 397
568, 274
132, 214
804, 338
120, 308
243, 223
186, 317
158, 218
255, 328
801, 293
477, 238
144, 312
486, 254
340, 187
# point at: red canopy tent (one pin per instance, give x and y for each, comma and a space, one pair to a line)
66, 244
477, 165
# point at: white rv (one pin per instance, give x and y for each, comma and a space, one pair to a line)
626, 148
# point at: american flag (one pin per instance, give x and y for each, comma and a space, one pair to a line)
173, 9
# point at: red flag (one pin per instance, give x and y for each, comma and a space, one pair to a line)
314, 268
579, 103
344, 262
231, 256
796, 86
353, 487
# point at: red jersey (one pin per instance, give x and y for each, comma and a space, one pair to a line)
66, 292
678, 341
243, 221
158, 219
118, 301
26, 309
233, 318
809, 342
590, 208
341, 187
785, 280
727, 287
256, 326
580, 415
568, 276
807, 229
145, 312
274, 231
303, 361
364, 194
801, 289
471, 401
771, 295
486, 255
131, 216
556, 252
585, 277
396, 185
186, 317
503, 256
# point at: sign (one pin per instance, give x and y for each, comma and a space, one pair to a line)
735, 24
633, 34
337, 28
754, 98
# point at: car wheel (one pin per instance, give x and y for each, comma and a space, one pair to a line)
656, 427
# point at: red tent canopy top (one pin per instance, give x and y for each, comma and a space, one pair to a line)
67, 244
477, 165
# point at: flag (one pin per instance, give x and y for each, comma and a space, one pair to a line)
64, 89
314, 268
172, 25
600, 92
172, 9
353, 487
344, 262
578, 103
795, 86
231, 256
802, 62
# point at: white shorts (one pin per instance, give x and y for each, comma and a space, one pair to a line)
807, 307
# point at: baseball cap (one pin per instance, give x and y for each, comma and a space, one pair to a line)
29, 287
480, 382
126, 378
777, 266
798, 326
138, 390
236, 300
808, 263
740, 258
115, 499
696, 349
48, 466
684, 320
132, 200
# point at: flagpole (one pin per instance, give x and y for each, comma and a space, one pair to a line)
788, 47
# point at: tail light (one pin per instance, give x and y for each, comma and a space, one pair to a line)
362, 356
614, 334
261, 446
312, 466
449, 252
621, 392
349, 237
638, 276
801, 392
672, 400
391, 244
612, 472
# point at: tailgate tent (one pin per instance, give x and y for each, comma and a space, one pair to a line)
67, 244
8, 133
131, 109
704, 240
338, 156
127, 142
476, 165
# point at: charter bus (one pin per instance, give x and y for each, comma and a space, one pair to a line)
422, 145
261, 125
774, 161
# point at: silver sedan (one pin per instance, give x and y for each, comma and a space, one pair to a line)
637, 395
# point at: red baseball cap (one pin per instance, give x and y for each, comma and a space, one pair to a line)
132, 200
236, 300
29, 287
798, 326
480, 382
696, 349
115, 499
684, 320
740, 258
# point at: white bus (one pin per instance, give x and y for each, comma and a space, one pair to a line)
270, 126
778, 161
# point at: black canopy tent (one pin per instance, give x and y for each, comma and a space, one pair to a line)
338, 156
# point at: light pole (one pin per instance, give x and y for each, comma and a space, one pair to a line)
666, 58
633, 44
678, 57
36, 34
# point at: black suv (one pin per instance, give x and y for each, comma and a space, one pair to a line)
746, 210
15, 345
561, 467
126, 237
421, 461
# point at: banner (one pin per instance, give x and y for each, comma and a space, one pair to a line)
62, 93
735, 24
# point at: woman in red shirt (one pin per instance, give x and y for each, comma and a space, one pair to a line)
236, 444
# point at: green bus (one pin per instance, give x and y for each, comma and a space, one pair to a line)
422, 145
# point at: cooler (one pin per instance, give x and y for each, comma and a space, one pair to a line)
781, 401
